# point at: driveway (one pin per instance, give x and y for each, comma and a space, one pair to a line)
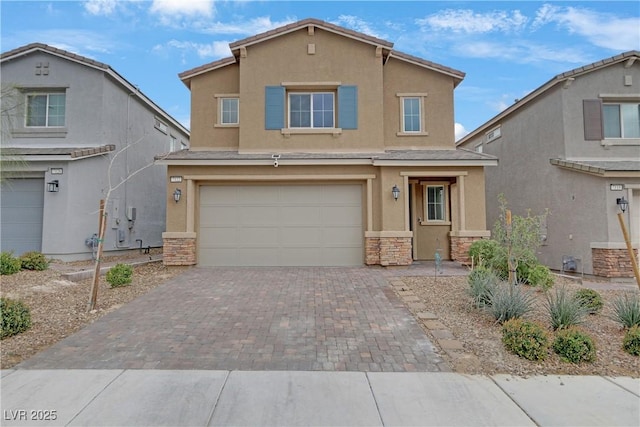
330, 319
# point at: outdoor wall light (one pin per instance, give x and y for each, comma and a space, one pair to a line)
53, 186
177, 194
622, 204
396, 192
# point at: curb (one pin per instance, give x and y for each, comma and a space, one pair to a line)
77, 276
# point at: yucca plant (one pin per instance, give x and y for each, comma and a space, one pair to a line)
511, 302
626, 310
482, 284
564, 310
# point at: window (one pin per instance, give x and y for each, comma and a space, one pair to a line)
436, 203
162, 127
494, 134
311, 110
411, 115
621, 120
46, 109
229, 111
173, 144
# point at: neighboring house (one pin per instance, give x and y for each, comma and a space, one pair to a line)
64, 118
317, 145
573, 146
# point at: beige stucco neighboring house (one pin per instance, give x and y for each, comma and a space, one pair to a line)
318, 145
573, 146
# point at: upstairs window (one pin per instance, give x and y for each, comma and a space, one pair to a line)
311, 110
46, 110
621, 120
411, 115
229, 111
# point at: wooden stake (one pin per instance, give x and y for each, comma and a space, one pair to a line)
509, 260
632, 254
102, 222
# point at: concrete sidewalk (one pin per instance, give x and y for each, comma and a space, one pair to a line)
200, 398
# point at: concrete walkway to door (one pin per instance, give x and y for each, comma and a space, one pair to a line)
295, 319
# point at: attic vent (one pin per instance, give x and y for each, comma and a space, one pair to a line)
161, 126
494, 134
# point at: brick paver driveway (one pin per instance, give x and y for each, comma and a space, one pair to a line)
332, 319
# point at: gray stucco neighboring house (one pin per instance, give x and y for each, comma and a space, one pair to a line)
65, 119
572, 146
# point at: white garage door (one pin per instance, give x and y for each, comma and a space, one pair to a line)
21, 213
281, 225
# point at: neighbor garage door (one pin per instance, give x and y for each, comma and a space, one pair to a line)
280, 225
21, 207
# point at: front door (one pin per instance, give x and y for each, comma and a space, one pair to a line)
431, 219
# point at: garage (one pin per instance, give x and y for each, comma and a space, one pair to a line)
21, 214
280, 225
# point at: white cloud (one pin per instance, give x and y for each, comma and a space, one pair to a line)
602, 29
469, 22
357, 24
460, 131
250, 27
182, 7
217, 49
100, 7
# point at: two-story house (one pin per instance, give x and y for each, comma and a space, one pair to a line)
72, 129
573, 146
318, 145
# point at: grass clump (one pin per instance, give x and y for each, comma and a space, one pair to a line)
15, 317
9, 264
564, 310
631, 341
34, 260
119, 275
525, 339
510, 302
482, 284
590, 300
626, 310
574, 346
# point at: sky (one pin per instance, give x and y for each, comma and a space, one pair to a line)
506, 48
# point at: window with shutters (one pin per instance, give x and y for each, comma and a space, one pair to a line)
621, 120
311, 108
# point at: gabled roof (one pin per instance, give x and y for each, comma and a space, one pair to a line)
386, 46
565, 78
88, 62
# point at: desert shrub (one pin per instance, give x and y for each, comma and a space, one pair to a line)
626, 310
564, 310
482, 283
525, 339
119, 275
589, 299
540, 275
509, 302
631, 341
34, 261
483, 251
15, 317
575, 346
9, 264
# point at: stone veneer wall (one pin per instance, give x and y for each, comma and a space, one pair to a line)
460, 248
179, 251
388, 251
612, 262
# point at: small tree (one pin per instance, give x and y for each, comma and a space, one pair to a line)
520, 236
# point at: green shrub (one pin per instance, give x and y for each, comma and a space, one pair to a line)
15, 317
631, 342
482, 284
9, 264
626, 310
119, 275
575, 346
540, 275
525, 339
34, 261
564, 310
589, 299
483, 251
509, 302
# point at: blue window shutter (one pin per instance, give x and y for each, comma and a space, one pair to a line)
348, 107
274, 107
